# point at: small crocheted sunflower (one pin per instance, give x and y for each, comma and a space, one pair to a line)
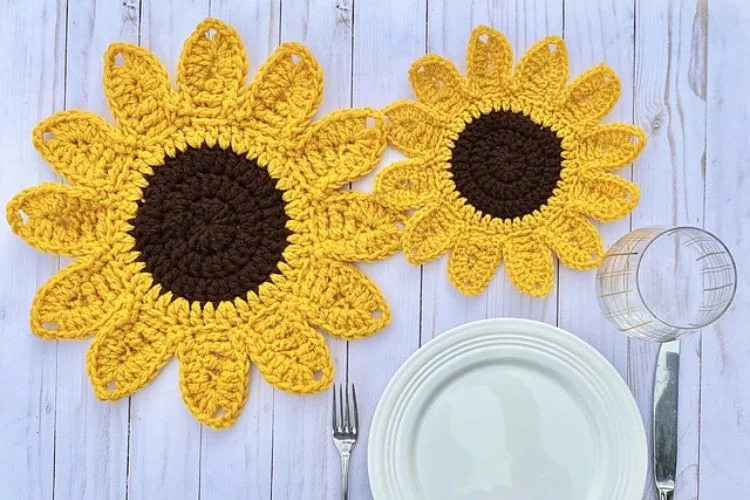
508, 163
209, 224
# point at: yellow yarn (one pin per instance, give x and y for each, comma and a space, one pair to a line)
138, 323
428, 131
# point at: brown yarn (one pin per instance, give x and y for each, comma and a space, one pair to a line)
211, 225
506, 165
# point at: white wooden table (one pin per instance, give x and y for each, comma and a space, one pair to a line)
684, 67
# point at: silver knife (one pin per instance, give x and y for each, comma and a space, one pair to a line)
666, 388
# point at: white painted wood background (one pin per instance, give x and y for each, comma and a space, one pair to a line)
684, 67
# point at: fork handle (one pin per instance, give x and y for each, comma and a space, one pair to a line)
345, 475
666, 495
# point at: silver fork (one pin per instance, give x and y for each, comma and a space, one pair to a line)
345, 427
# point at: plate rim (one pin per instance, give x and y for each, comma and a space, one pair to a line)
505, 324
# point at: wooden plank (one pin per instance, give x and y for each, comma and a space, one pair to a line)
305, 462
32, 59
164, 436
725, 399
237, 462
670, 72
450, 25
598, 32
388, 36
89, 431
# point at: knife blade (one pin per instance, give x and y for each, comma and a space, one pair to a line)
666, 390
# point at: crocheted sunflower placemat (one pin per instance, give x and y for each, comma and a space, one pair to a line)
508, 163
209, 224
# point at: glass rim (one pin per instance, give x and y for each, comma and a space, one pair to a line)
663, 231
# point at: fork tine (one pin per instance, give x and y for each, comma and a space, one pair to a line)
333, 409
342, 410
349, 416
356, 412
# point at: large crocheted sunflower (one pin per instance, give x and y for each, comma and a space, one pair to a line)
508, 163
209, 225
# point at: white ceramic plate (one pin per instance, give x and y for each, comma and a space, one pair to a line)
507, 409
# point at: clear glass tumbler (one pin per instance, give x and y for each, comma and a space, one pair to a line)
657, 283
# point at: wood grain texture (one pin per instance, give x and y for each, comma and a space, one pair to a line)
388, 36
670, 71
682, 65
86, 431
32, 80
725, 397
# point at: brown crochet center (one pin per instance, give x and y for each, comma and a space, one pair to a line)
211, 225
506, 165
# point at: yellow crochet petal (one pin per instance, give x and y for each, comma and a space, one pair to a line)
415, 129
138, 89
591, 96
606, 197
214, 374
430, 232
344, 146
66, 220
290, 354
78, 145
474, 260
80, 299
489, 61
287, 91
577, 242
529, 264
127, 356
542, 73
213, 67
353, 226
409, 183
611, 146
437, 83
343, 301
